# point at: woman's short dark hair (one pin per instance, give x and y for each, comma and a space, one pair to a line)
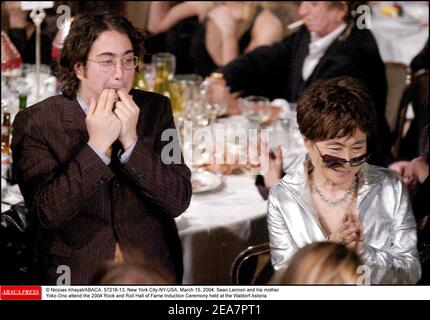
335, 108
84, 30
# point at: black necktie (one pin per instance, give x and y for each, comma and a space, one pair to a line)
116, 148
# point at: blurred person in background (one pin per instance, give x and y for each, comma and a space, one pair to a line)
21, 29
415, 174
328, 45
321, 263
225, 29
410, 144
131, 273
23, 33
413, 161
175, 22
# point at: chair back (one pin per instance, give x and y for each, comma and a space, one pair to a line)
252, 266
416, 93
397, 81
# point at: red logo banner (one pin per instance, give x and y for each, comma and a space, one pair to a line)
20, 293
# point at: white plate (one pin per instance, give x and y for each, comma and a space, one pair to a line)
203, 181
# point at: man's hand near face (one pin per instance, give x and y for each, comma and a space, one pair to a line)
102, 124
128, 113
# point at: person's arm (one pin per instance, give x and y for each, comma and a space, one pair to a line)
221, 38
17, 25
261, 66
282, 246
267, 30
17, 16
400, 263
55, 192
162, 17
166, 185
273, 175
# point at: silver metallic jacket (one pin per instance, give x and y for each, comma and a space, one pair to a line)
384, 209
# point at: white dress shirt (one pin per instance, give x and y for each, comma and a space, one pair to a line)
317, 48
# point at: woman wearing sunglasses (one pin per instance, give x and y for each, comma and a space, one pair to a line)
333, 194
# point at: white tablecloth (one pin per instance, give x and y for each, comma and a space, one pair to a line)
218, 226
400, 39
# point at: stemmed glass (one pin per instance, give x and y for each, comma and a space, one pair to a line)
215, 98
256, 109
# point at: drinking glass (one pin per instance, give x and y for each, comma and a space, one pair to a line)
255, 108
176, 98
168, 62
215, 97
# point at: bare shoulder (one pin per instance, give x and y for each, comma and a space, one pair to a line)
199, 8
267, 28
267, 20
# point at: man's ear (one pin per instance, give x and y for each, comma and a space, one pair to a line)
79, 70
343, 10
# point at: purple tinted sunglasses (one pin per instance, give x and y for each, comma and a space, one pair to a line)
336, 162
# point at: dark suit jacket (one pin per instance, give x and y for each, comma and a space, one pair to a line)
276, 72
82, 207
410, 144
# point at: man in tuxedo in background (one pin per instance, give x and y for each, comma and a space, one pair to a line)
329, 45
89, 161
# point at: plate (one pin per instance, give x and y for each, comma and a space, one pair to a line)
203, 181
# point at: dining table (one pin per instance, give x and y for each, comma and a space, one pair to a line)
226, 219
218, 225
222, 220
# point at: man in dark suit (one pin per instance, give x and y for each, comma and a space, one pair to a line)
89, 162
329, 45
277, 71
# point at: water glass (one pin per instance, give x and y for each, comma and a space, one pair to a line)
255, 108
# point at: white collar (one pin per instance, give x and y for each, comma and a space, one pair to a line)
82, 103
321, 44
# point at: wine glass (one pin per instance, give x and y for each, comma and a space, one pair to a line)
177, 98
255, 108
215, 97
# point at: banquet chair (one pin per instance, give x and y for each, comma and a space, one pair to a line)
415, 93
16, 243
398, 76
252, 266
